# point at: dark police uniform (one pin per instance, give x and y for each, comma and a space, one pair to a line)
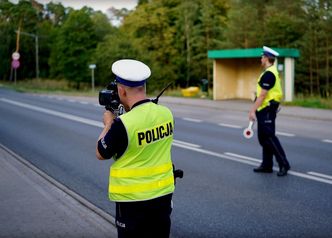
266, 116
266, 127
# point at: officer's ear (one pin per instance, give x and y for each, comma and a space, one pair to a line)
122, 91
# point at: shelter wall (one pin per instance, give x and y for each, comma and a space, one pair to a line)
235, 78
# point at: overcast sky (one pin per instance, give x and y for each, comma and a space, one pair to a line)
101, 5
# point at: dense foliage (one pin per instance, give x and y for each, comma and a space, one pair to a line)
171, 36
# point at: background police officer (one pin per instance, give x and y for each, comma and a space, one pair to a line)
141, 178
265, 108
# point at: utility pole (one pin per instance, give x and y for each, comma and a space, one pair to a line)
36, 50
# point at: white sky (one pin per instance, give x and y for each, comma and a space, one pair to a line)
101, 5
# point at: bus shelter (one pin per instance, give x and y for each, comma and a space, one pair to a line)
235, 72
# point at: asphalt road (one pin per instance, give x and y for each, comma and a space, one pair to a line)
219, 196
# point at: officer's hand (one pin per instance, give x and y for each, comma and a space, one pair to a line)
108, 118
252, 115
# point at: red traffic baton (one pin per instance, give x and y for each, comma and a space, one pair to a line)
248, 132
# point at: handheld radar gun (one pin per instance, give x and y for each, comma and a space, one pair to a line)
248, 132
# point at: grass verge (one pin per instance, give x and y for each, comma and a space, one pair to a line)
63, 87
311, 102
47, 86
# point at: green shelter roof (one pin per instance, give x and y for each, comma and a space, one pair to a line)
250, 53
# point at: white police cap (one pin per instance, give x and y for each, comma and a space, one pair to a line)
129, 72
269, 52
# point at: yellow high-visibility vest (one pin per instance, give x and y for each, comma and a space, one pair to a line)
145, 170
274, 93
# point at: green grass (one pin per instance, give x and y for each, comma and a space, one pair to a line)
311, 102
48, 86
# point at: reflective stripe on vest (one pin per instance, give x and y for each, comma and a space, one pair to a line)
136, 188
275, 93
145, 170
138, 172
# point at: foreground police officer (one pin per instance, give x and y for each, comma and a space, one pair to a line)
265, 108
141, 178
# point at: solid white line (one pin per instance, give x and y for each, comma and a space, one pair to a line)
216, 154
185, 143
181, 144
55, 113
230, 125
284, 134
191, 119
320, 175
327, 141
310, 177
245, 161
242, 157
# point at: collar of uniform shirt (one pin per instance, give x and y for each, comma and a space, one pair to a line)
140, 102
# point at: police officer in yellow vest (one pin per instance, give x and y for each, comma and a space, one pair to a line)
141, 179
265, 108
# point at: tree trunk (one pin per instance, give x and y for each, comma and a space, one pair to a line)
317, 64
188, 46
327, 69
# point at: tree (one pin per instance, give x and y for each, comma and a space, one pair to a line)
7, 39
73, 47
102, 25
56, 12
24, 15
315, 63
173, 36
244, 25
152, 32
187, 15
210, 28
114, 47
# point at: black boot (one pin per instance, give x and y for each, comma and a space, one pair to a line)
283, 171
262, 169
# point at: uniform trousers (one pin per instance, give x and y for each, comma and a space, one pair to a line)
267, 137
146, 219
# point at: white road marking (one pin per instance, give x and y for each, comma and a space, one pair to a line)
55, 113
320, 175
223, 156
307, 176
183, 143
327, 141
230, 125
242, 157
238, 158
284, 134
191, 119
83, 102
